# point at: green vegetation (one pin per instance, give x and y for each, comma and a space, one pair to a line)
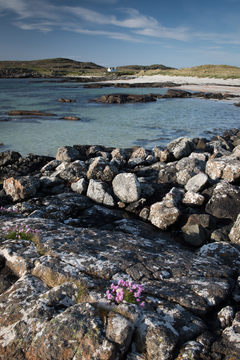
211, 71
58, 67
61, 67
134, 69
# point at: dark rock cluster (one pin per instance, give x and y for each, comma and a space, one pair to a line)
103, 215
170, 94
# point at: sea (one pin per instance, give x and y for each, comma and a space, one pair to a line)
115, 125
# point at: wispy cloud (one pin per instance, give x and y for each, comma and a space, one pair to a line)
126, 24
109, 34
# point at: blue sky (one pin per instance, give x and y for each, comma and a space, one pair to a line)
178, 33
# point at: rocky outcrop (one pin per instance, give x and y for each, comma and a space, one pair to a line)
64, 100
61, 286
102, 214
124, 98
135, 98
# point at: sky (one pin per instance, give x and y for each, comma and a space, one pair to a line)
177, 33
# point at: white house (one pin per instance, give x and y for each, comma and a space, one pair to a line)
111, 69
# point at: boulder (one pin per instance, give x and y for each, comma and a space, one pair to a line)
180, 147
79, 186
234, 234
224, 168
67, 153
50, 167
167, 174
193, 232
192, 198
71, 172
9, 157
100, 169
229, 343
99, 192
197, 182
165, 213
225, 201
21, 188
126, 187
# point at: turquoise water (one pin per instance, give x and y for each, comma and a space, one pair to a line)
121, 125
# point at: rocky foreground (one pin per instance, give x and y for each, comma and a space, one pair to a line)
102, 214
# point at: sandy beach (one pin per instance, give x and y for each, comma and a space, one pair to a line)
228, 86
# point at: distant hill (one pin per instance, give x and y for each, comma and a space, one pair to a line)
48, 68
211, 71
133, 69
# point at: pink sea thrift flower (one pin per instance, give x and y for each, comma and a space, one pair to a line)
125, 291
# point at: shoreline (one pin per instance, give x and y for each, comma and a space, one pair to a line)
228, 86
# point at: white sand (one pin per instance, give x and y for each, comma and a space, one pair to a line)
229, 86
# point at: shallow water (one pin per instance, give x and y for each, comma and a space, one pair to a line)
122, 125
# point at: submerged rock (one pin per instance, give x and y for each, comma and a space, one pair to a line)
29, 113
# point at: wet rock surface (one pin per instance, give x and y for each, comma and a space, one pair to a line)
29, 112
101, 213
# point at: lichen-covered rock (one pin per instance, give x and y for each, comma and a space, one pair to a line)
67, 153
78, 265
72, 171
126, 187
180, 147
191, 350
193, 199
224, 168
222, 251
225, 201
21, 188
188, 167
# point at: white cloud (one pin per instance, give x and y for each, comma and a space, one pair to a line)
42, 15
109, 34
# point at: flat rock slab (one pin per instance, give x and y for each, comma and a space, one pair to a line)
58, 305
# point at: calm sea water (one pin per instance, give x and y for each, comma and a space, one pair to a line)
121, 125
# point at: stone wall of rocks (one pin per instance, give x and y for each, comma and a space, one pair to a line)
166, 218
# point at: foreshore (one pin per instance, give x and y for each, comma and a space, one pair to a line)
226, 86
81, 224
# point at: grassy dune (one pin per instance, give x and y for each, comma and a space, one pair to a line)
211, 71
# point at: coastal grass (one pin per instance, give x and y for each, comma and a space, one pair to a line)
210, 71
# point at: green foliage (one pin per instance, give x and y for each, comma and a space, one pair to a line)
18, 235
